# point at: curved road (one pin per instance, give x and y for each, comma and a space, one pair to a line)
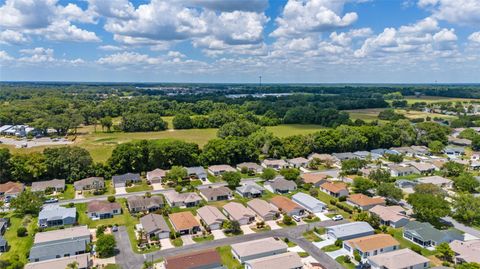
127, 259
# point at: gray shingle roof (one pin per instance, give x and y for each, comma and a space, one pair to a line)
427, 232
154, 222
56, 212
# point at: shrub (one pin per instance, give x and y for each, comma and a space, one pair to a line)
111, 198
342, 199
178, 188
287, 220
100, 230
21, 231
338, 243
417, 249
357, 256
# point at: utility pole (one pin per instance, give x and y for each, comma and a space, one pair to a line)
260, 80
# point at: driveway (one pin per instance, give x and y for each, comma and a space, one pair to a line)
218, 234
157, 186
121, 190
187, 239
273, 224
246, 229
337, 253
322, 216
166, 243
324, 243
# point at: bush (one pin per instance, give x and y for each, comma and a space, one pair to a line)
111, 198
178, 188
333, 202
100, 230
338, 243
417, 249
287, 220
357, 256
21, 231
342, 199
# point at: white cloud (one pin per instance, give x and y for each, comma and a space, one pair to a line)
4, 56
12, 37
110, 48
47, 19
231, 5
127, 58
474, 37
300, 17
455, 11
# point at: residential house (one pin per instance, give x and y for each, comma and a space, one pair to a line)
459, 141
399, 259
57, 185
349, 230
454, 152
185, 199
238, 212
55, 215
251, 167
424, 168
274, 164
120, 181
394, 216
406, 185
309, 203
280, 185
420, 150
438, 163
184, 222
345, 156
298, 162
439, 181
154, 225
335, 189
205, 259
10, 190
197, 172
287, 206
402, 170
60, 243
287, 260
211, 217
316, 179
468, 251
218, 170
250, 190
407, 151
256, 249
384, 152
364, 202
103, 209
324, 158
365, 155
263, 209
425, 235
82, 261
216, 194
3, 244
144, 204
371, 245
156, 176
89, 184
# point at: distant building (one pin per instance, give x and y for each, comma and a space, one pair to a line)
308, 202
120, 181
218, 170
57, 185
89, 184
280, 185
156, 176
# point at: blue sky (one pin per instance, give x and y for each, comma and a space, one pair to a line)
284, 41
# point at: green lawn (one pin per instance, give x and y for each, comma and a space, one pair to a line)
109, 189
143, 186
69, 192
227, 258
19, 245
303, 254
311, 236
264, 229
330, 248
347, 265
177, 242
112, 266
202, 238
404, 243
283, 225
285, 130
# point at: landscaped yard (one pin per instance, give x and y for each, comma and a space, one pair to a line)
19, 245
69, 192
143, 186
283, 225
227, 258
331, 248
343, 261
202, 238
311, 236
177, 242
404, 243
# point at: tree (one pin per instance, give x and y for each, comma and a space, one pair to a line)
105, 246
476, 142
444, 252
27, 167
380, 175
268, 174
396, 158
142, 122
4, 165
352, 166
21, 231
106, 122
466, 182
468, 265
176, 175
232, 227
287, 220
435, 147
452, 169
232, 178
313, 192
390, 191
237, 128
362, 185
290, 173
111, 198
429, 207
182, 121
27, 202
428, 188
71, 163
466, 208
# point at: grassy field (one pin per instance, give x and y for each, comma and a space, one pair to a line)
365, 114
19, 245
435, 99
227, 258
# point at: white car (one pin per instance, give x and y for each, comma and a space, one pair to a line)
296, 218
337, 218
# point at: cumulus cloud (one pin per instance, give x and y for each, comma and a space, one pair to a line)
455, 11
46, 18
229, 6
12, 37
302, 16
474, 37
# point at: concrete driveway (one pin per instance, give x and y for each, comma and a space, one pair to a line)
322, 216
324, 243
157, 186
187, 239
246, 229
166, 243
218, 234
337, 253
273, 224
121, 190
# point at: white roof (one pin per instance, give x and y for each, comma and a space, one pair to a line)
285, 260
403, 258
259, 246
61, 234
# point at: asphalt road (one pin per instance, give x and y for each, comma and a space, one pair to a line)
127, 259
463, 228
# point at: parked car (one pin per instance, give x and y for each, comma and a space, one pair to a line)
296, 218
337, 218
51, 201
114, 228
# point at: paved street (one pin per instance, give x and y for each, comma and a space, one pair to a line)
463, 228
127, 259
